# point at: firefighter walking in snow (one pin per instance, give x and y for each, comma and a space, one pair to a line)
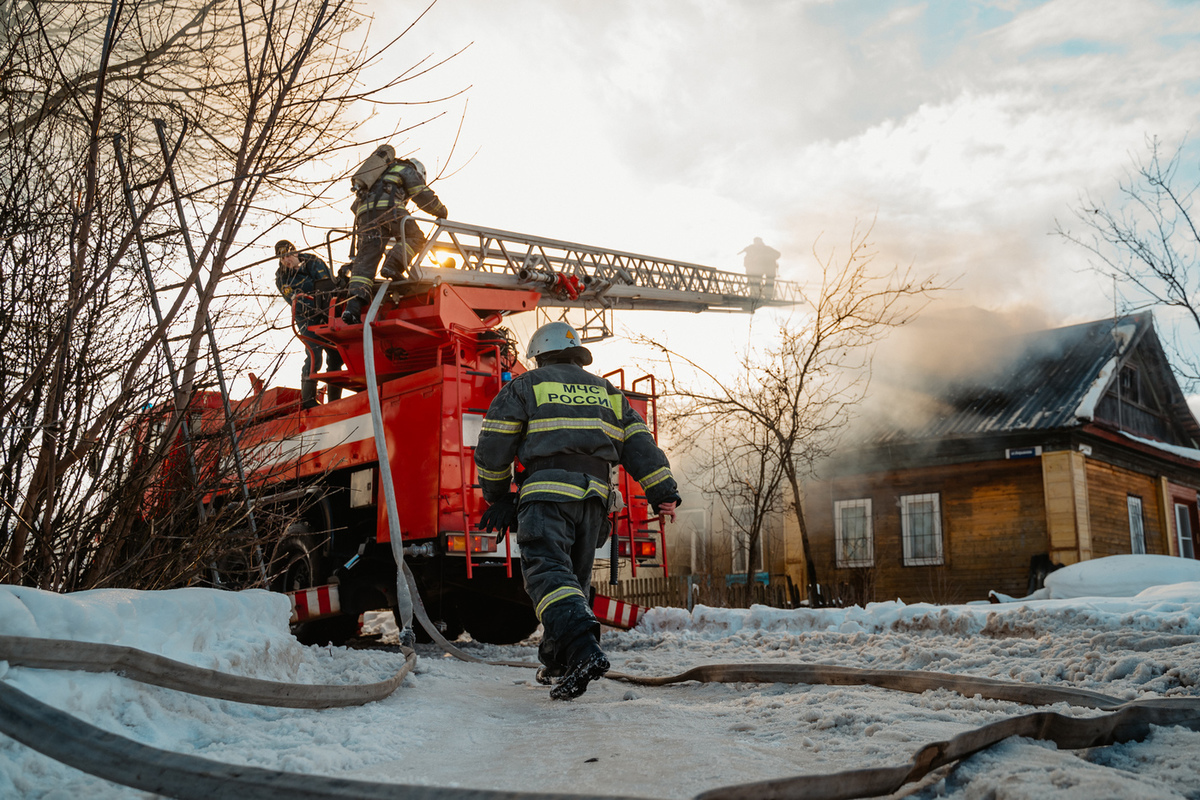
380, 214
304, 281
568, 428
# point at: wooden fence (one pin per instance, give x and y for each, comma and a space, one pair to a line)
686, 591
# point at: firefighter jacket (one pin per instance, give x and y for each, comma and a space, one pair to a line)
313, 282
559, 413
396, 187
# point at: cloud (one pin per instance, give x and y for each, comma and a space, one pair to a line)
684, 129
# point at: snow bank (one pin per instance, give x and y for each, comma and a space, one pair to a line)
240, 633
1120, 576
244, 633
1171, 609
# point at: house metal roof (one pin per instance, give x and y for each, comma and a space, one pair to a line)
1053, 380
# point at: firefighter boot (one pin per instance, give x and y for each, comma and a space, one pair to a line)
353, 308
546, 675
308, 393
592, 665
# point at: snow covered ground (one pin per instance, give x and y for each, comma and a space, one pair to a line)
470, 725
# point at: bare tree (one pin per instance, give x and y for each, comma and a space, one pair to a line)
1150, 242
739, 464
214, 105
801, 389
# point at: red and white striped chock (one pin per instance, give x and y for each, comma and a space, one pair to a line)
320, 601
616, 613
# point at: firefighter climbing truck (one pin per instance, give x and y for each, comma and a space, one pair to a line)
440, 352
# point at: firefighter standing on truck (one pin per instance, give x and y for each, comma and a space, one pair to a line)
305, 283
568, 428
380, 214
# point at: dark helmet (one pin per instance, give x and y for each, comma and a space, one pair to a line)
283, 247
558, 338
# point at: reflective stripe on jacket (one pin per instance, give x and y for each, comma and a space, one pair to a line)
398, 185
562, 410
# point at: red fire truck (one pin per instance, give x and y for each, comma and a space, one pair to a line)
417, 380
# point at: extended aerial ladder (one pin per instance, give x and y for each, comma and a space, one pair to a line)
596, 280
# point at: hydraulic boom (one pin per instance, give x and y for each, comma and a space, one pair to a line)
596, 279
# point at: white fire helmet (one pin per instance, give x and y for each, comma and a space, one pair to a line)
419, 167
554, 337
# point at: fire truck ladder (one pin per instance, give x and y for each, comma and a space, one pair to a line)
596, 279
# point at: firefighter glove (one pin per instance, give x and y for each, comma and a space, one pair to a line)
674, 498
500, 516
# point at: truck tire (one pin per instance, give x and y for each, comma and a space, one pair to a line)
237, 564
297, 564
498, 621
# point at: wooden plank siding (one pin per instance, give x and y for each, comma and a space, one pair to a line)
1109, 488
993, 523
1068, 521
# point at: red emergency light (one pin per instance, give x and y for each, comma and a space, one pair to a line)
480, 543
643, 548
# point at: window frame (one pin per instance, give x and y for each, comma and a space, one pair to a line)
907, 536
1129, 384
740, 540
1137, 538
1191, 538
841, 560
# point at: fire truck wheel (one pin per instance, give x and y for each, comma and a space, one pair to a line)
499, 622
296, 564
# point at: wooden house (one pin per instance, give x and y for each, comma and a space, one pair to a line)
1081, 446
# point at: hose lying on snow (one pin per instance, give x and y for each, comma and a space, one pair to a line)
85, 747
158, 670
88, 748
899, 679
1128, 722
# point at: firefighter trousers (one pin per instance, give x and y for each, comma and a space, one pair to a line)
558, 546
375, 229
316, 347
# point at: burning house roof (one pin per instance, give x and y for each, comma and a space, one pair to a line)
1048, 380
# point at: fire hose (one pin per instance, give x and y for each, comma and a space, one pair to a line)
85, 747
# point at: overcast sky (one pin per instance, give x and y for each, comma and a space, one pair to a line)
685, 128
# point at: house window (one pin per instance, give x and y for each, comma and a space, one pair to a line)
694, 522
1131, 387
1183, 531
921, 528
741, 541
853, 537
1137, 531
